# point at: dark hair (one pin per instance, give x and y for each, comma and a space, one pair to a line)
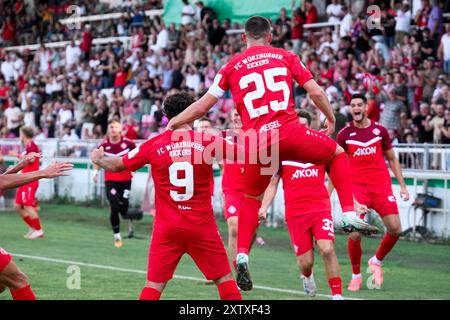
359, 96
174, 104
205, 119
257, 27
27, 132
113, 121
306, 115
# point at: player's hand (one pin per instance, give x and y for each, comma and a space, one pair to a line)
57, 169
31, 157
97, 154
404, 194
262, 213
170, 126
329, 127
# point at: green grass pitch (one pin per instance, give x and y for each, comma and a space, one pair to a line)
82, 236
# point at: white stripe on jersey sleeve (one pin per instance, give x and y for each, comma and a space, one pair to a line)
215, 90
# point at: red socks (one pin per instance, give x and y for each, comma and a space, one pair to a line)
339, 171
24, 293
32, 223
228, 290
247, 224
335, 285
354, 252
386, 246
307, 274
150, 294
28, 221
36, 224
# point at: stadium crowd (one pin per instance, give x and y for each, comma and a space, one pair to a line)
402, 65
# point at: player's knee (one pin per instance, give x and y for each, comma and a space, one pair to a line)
326, 250
355, 236
395, 231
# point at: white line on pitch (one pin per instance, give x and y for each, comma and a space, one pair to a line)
100, 266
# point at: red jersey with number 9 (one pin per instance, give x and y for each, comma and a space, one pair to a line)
261, 80
181, 163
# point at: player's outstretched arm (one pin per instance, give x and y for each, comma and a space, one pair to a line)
114, 164
29, 158
320, 99
56, 169
269, 195
195, 111
397, 170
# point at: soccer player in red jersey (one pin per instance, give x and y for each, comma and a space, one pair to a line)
10, 275
26, 195
117, 184
261, 80
233, 185
181, 164
308, 216
367, 144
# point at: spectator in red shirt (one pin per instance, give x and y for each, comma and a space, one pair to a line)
311, 12
8, 31
373, 109
86, 43
130, 130
297, 30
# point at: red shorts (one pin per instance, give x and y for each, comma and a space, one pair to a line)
26, 195
379, 198
5, 258
169, 244
295, 143
303, 228
233, 201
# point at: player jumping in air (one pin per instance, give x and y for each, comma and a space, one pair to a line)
308, 215
181, 164
117, 184
261, 80
26, 203
10, 275
367, 144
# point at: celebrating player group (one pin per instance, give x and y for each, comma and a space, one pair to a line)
268, 142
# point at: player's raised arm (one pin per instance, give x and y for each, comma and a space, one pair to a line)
114, 164
195, 111
56, 169
320, 100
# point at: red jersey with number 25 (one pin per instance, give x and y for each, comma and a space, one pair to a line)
181, 163
261, 79
365, 148
304, 189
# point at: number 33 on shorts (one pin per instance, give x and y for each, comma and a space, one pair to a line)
328, 226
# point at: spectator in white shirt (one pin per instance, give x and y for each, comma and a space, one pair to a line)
187, 13
7, 69
345, 27
402, 22
444, 49
192, 78
334, 11
13, 117
73, 54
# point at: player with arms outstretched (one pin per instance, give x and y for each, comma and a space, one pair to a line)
367, 144
261, 80
10, 275
181, 164
308, 216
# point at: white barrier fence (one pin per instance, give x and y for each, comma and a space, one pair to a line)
79, 186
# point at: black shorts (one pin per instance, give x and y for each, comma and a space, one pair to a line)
117, 190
